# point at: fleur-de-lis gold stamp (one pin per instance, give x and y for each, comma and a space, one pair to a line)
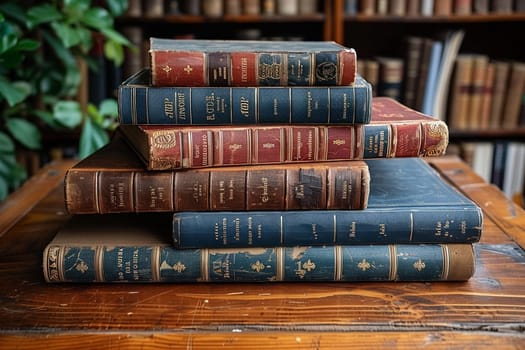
81, 266
309, 265
364, 265
179, 267
166, 69
188, 69
258, 266
339, 142
419, 265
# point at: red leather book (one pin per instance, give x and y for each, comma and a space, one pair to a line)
394, 131
200, 62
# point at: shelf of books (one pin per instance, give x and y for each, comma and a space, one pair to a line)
441, 59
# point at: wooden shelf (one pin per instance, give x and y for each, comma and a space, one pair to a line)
175, 19
437, 19
488, 135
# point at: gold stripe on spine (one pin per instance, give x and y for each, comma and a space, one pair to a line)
279, 263
147, 108
446, 262
393, 262
392, 145
204, 264
134, 105
324, 156
335, 225
311, 74
338, 263
60, 263
99, 263
189, 156
411, 227
281, 233
135, 195
155, 264
96, 189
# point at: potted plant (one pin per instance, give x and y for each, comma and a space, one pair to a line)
42, 46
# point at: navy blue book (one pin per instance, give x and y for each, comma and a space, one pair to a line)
409, 202
136, 248
141, 103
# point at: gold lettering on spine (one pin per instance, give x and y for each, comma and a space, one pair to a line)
250, 230
244, 69
224, 233
181, 106
265, 197
169, 110
120, 263
244, 106
135, 265
237, 228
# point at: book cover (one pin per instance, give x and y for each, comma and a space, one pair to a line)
133, 248
114, 180
394, 131
140, 103
408, 203
200, 62
460, 92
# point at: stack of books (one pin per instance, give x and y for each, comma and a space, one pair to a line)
254, 161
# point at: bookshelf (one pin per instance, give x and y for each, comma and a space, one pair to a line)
381, 34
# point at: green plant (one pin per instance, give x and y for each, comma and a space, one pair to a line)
41, 44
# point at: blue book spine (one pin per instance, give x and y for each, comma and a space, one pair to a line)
343, 105
161, 263
320, 227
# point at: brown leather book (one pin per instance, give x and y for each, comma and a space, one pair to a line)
394, 131
114, 180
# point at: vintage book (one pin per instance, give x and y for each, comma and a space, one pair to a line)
514, 95
462, 7
479, 68
397, 7
487, 94
443, 7
458, 115
136, 248
390, 77
422, 74
395, 131
451, 43
412, 59
250, 63
501, 79
140, 103
427, 7
409, 203
113, 179
429, 95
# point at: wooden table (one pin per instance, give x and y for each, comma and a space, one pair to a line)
488, 311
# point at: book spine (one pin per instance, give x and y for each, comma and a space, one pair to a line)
290, 144
305, 188
190, 68
160, 263
320, 227
249, 105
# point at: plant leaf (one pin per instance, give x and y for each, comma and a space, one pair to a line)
24, 132
68, 35
92, 138
114, 52
6, 144
115, 36
117, 7
109, 107
14, 92
68, 113
42, 14
97, 18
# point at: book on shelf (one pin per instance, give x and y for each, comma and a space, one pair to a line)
140, 103
201, 62
132, 248
501, 78
409, 203
394, 131
458, 113
514, 95
114, 180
